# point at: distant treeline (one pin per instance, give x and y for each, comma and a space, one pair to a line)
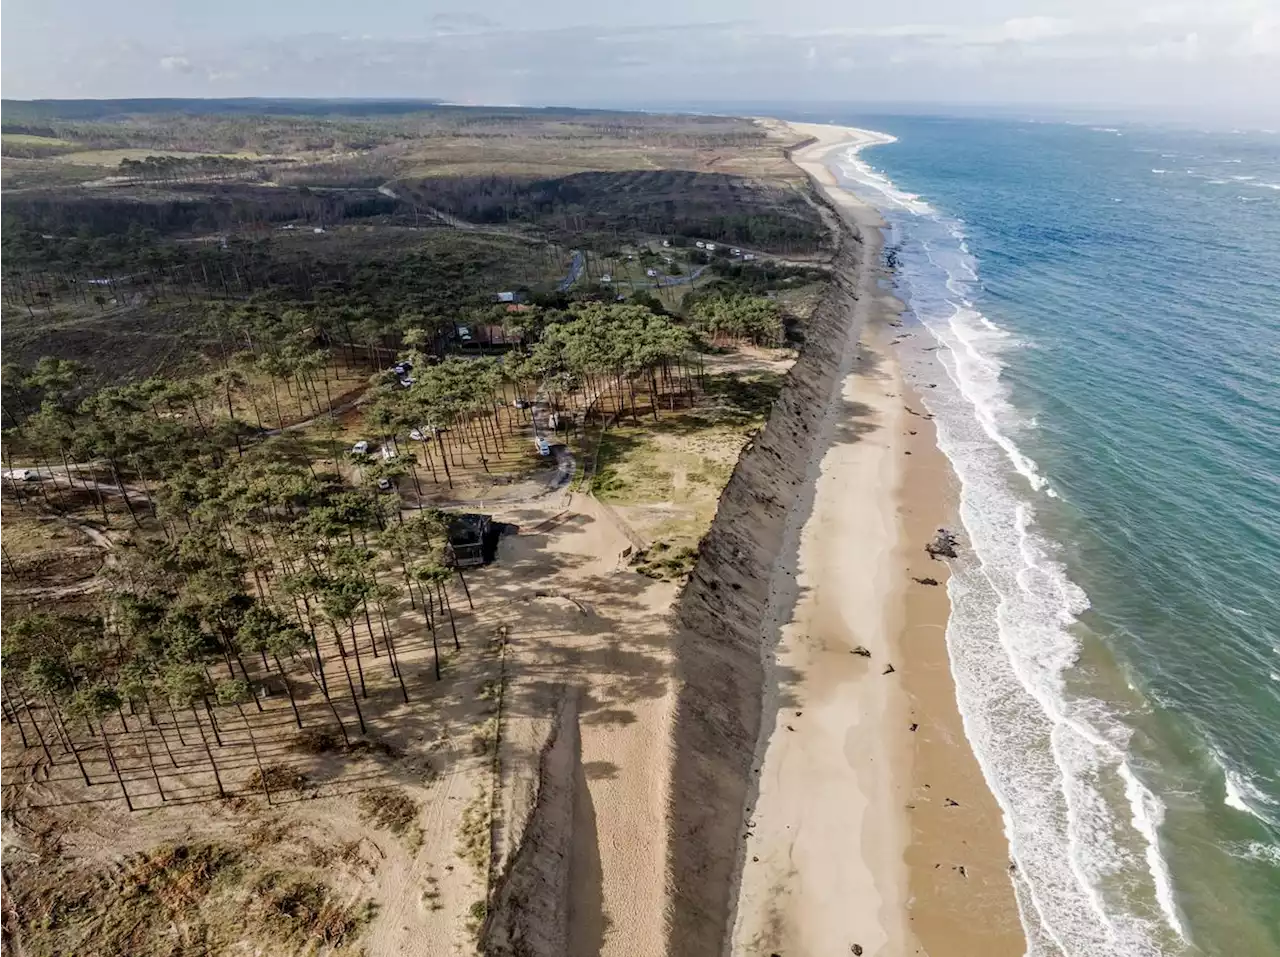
18, 112
27, 130
41, 269
201, 208
574, 209
175, 169
711, 206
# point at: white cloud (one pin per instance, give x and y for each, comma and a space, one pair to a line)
178, 64
1187, 49
1260, 38
1029, 29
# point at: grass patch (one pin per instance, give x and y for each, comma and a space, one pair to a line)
669, 474
27, 139
627, 472
483, 741
476, 914
658, 461
302, 912
186, 898
276, 777
318, 741
473, 835
25, 534
391, 808
664, 562
740, 398
176, 876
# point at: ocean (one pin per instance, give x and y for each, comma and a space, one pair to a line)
1099, 344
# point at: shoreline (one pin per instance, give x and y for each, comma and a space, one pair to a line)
872, 824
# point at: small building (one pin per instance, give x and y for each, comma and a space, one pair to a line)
472, 540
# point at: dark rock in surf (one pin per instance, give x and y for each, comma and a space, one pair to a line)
944, 545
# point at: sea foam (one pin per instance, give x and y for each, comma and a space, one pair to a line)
1241, 794
1148, 814
1048, 756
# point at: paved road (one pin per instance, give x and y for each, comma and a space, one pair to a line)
681, 280
575, 270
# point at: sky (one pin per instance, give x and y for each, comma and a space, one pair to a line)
1207, 58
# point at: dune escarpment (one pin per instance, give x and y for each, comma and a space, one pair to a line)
729, 617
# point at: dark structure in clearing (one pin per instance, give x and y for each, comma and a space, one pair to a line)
473, 540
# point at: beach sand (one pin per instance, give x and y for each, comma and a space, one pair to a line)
872, 826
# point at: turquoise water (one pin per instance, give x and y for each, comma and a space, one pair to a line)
1105, 303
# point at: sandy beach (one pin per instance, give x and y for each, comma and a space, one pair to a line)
872, 830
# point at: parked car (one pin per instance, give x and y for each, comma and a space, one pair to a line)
425, 435
544, 447
407, 382
360, 448
521, 403
388, 453
20, 475
400, 369
384, 484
